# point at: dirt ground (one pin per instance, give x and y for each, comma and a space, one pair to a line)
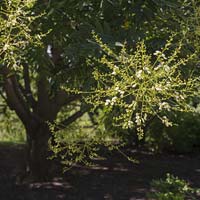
113, 179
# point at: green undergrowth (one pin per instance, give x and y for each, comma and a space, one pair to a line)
11, 129
171, 188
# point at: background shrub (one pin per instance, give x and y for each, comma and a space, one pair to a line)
183, 137
171, 188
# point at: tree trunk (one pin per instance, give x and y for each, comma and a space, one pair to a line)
38, 165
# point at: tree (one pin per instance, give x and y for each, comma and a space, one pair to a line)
147, 76
45, 45
30, 61
139, 85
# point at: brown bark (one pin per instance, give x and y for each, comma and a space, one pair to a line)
14, 97
38, 135
34, 114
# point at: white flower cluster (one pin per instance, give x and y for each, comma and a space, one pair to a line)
156, 53
166, 121
162, 66
138, 119
164, 105
140, 132
158, 87
111, 102
130, 124
143, 85
179, 96
147, 70
166, 68
121, 92
159, 53
139, 74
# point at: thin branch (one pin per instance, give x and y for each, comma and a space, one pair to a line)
62, 98
71, 119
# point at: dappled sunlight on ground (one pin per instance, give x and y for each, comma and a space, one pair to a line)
113, 179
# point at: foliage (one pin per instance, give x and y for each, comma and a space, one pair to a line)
140, 85
16, 20
12, 129
190, 24
183, 137
172, 188
81, 143
47, 43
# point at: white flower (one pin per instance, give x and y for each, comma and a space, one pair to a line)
139, 74
117, 88
164, 105
130, 124
107, 102
121, 93
138, 120
140, 132
182, 97
158, 88
130, 105
158, 66
6, 46
134, 85
166, 121
166, 68
162, 65
115, 70
147, 70
113, 100
156, 53
115, 67
145, 117
114, 73
168, 84
163, 56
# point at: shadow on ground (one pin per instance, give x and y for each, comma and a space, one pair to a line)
111, 179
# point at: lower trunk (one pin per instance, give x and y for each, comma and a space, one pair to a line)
37, 151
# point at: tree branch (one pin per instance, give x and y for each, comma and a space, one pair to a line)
71, 119
27, 87
44, 107
62, 98
14, 98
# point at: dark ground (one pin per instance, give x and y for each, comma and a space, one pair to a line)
112, 179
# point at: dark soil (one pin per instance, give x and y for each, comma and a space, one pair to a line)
113, 179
